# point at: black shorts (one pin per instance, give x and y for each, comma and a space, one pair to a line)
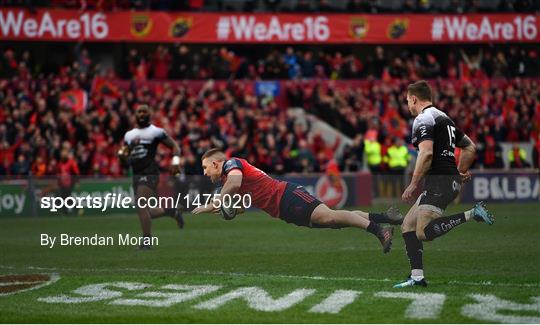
297, 205
440, 190
149, 176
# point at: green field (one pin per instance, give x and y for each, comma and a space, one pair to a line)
286, 271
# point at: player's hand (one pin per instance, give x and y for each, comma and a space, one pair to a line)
410, 193
205, 209
202, 209
465, 177
123, 152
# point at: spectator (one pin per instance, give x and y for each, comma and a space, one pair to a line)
491, 155
500, 66
517, 157
379, 63
536, 151
307, 65
471, 66
353, 155
302, 6
229, 114
272, 5
21, 167
398, 157
181, 63
373, 151
291, 62
161, 63
367, 6
9, 63
432, 68
325, 6
424, 6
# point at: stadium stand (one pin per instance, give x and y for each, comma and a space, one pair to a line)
82, 98
365, 6
47, 108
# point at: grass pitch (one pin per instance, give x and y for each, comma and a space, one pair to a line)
282, 260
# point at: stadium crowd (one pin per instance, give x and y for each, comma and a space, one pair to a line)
44, 128
185, 62
364, 6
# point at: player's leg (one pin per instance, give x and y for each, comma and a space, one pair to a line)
431, 223
145, 217
323, 215
149, 184
441, 191
413, 248
299, 207
392, 216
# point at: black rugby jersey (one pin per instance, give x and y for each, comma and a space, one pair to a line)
142, 145
433, 124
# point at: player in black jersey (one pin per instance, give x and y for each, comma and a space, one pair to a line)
435, 136
139, 150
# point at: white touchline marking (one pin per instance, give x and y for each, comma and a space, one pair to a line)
423, 305
334, 303
167, 299
257, 299
53, 277
284, 276
487, 308
95, 292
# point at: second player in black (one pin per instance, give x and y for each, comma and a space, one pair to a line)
436, 137
139, 150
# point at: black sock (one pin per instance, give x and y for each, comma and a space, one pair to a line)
378, 217
414, 248
169, 211
373, 228
442, 225
316, 225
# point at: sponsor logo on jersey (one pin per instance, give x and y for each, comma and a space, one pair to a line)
423, 131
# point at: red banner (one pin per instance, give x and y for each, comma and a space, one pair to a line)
68, 25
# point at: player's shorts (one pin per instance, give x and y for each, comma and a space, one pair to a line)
440, 190
148, 177
297, 205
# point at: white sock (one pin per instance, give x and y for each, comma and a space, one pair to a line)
417, 274
468, 214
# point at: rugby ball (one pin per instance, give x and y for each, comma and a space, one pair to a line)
228, 213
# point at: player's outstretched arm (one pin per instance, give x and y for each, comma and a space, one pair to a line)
423, 163
233, 182
466, 159
169, 142
205, 209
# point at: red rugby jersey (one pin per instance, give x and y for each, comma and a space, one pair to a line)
265, 191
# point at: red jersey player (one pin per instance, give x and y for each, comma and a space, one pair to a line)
67, 169
288, 201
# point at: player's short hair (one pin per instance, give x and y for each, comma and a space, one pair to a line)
215, 153
420, 89
143, 105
